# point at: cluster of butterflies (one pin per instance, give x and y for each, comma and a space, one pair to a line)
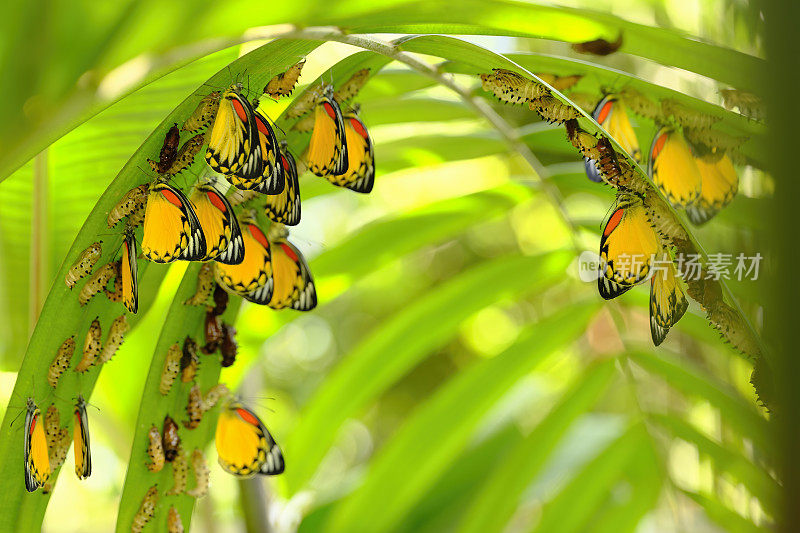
690, 162
239, 258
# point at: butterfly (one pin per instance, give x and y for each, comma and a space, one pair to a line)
37, 462
129, 272
611, 113
283, 84
719, 184
293, 285
667, 301
219, 224
252, 278
81, 447
284, 207
234, 148
171, 227
244, 445
327, 150
673, 168
360, 174
272, 181
628, 246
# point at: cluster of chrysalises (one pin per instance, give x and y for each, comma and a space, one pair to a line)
689, 162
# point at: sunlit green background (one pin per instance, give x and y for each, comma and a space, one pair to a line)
445, 266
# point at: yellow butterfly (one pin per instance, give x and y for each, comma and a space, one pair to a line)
284, 207
220, 227
719, 185
673, 168
37, 462
234, 148
667, 301
360, 174
252, 278
244, 446
171, 227
81, 447
271, 180
293, 285
129, 272
611, 113
628, 247
327, 150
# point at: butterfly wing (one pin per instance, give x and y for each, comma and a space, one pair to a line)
719, 186
244, 445
37, 462
360, 175
612, 114
673, 168
81, 446
233, 145
284, 207
220, 226
293, 284
129, 273
590, 165
667, 302
171, 228
627, 248
327, 150
252, 278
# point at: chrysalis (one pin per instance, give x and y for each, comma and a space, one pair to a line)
512, 88
57, 438
97, 282
172, 364
185, 156
205, 284
190, 362
174, 524
180, 474
170, 439
350, 88
116, 294
91, 346
116, 334
133, 200
305, 102
553, 110
204, 113
685, 116
749, 104
61, 361
283, 84
84, 264
201, 475
155, 450
228, 346
169, 150
640, 104
146, 510
194, 408
214, 395
213, 333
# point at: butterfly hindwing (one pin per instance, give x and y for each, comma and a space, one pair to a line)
284, 207
360, 175
171, 227
220, 226
719, 186
293, 285
252, 278
667, 301
244, 445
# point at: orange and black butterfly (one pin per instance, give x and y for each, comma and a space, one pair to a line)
327, 150
293, 285
360, 174
220, 226
611, 113
271, 181
234, 148
244, 445
171, 227
81, 446
129, 272
284, 207
667, 301
252, 278
37, 461
628, 247
674, 169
